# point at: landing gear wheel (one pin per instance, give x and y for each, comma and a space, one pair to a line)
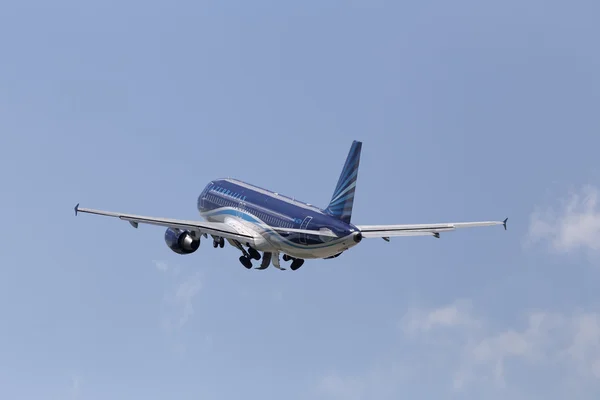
215, 244
286, 257
246, 262
221, 242
297, 263
253, 253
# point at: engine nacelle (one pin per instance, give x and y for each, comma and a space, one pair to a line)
182, 242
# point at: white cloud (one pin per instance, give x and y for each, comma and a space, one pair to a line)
547, 340
161, 265
337, 387
180, 302
75, 387
485, 355
576, 224
466, 353
380, 382
177, 308
186, 291
456, 314
584, 350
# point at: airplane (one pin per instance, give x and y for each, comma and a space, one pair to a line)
255, 220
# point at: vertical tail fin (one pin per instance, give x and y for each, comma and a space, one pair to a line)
342, 200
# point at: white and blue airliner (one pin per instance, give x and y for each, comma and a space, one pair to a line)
255, 220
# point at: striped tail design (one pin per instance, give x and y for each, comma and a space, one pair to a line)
342, 200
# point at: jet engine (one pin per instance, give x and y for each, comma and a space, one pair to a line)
181, 241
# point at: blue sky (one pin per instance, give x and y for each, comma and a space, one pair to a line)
467, 111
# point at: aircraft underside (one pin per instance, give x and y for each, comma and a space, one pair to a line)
267, 258
269, 247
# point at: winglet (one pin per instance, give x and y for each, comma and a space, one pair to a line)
504, 223
76, 209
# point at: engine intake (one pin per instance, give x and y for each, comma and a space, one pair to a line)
182, 242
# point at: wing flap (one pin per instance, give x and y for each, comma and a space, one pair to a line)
305, 231
211, 228
386, 231
387, 234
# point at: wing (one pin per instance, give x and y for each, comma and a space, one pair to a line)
386, 231
212, 228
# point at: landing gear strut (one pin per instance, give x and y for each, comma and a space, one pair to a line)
248, 255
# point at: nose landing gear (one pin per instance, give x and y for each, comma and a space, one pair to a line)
218, 242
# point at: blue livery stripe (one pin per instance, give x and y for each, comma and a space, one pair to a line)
341, 202
270, 231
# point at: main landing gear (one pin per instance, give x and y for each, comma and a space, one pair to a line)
246, 262
254, 253
267, 259
297, 263
248, 256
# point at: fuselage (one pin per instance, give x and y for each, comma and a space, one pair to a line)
259, 211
